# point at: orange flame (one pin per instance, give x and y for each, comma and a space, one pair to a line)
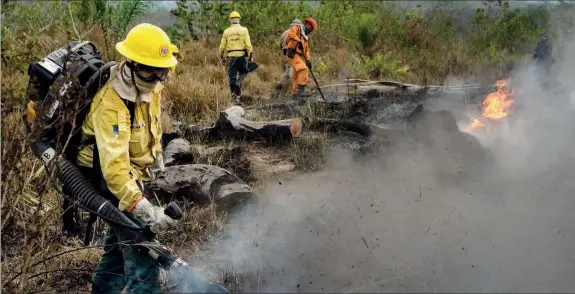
495, 106
474, 124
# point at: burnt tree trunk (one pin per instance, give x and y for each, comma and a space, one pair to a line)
178, 151
202, 184
232, 124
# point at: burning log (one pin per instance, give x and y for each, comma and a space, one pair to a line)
203, 184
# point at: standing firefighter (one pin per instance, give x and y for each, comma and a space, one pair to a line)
237, 46
297, 51
123, 140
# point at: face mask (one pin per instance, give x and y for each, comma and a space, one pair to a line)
142, 85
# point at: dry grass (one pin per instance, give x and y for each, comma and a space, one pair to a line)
31, 209
308, 152
198, 226
191, 97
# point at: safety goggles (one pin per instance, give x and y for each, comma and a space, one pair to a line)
151, 74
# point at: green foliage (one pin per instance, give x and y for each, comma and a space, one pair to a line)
116, 16
25, 36
177, 33
505, 32
201, 18
384, 66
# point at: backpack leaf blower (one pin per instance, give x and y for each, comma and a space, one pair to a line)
69, 78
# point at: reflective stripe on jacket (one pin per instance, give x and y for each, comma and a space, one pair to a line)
295, 36
126, 152
236, 41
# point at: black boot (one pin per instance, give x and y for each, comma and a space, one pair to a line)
301, 93
236, 93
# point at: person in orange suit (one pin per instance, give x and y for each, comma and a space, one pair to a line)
298, 55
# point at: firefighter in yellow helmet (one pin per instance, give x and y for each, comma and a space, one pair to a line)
123, 140
237, 46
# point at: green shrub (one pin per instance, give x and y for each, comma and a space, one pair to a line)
384, 66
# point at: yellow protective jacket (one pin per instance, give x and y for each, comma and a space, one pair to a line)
126, 152
236, 41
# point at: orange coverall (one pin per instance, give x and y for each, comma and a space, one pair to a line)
301, 72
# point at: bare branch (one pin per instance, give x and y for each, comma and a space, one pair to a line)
73, 24
54, 256
93, 27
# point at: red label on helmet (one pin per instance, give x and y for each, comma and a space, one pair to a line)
164, 50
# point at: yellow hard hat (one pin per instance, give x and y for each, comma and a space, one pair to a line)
234, 14
149, 45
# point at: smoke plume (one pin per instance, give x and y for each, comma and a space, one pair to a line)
404, 219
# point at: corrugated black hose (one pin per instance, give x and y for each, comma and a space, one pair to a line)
87, 197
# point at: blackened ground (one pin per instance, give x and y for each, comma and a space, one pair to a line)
371, 226
404, 219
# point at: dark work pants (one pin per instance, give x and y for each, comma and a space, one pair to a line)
237, 71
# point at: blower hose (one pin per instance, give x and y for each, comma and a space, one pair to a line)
87, 197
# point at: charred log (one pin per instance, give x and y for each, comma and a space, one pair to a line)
232, 125
452, 151
202, 184
178, 151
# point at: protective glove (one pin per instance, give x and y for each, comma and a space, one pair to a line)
222, 60
152, 215
300, 45
291, 53
308, 64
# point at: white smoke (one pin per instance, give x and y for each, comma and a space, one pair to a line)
389, 222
